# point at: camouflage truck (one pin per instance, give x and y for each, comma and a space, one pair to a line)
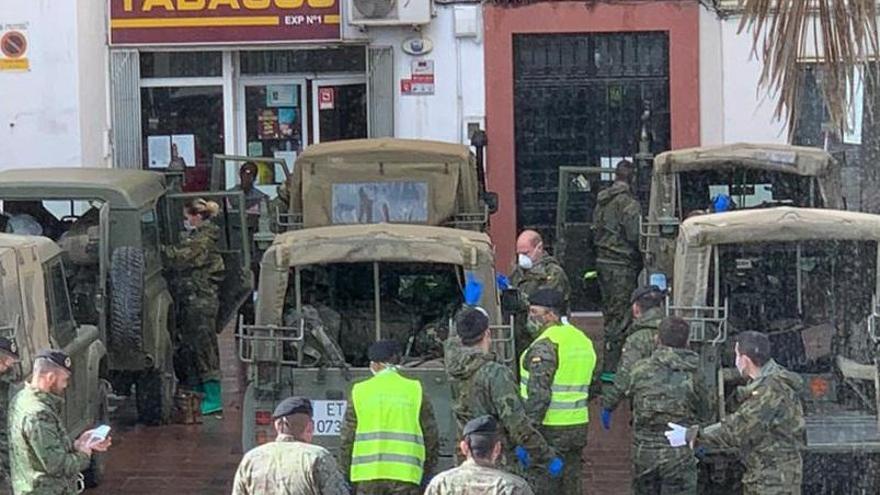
36, 314
384, 235
684, 182
110, 224
809, 279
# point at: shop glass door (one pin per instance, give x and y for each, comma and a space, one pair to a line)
339, 109
274, 118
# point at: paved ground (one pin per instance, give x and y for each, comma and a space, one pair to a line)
201, 459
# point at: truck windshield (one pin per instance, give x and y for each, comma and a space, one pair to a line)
748, 188
358, 303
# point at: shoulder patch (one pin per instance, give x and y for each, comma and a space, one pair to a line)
536, 359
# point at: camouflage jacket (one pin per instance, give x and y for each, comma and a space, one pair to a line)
289, 467
473, 479
666, 387
196, 261
430, 435
5, 485
616, 226
638, 345
481, 385
768, 429
547, 273
42, 456
542, 359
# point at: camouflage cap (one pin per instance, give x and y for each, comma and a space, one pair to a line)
548, 298
293, 405
483, 424
8, 347
645, 291
57, 357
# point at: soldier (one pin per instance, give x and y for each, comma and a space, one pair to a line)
198, 271
8, 359
389, 440
535, 269
647, 312
290, 465
618, 259
555, 375
479, 474
482, 386
247, 176
768, 427
44, 460
666, 387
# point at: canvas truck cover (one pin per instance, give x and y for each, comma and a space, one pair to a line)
123, 189
384, 243
697, 236
797, 160
383, 180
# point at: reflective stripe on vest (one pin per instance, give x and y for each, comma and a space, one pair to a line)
388, 442
571, 383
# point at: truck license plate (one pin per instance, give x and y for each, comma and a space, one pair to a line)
328, 416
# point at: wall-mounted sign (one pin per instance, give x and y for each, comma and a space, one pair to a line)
326, 98
421, 80
14, 47
151, 22
418, 46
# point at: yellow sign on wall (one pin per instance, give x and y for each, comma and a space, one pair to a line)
14, 47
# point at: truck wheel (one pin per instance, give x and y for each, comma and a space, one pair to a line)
155, 392
94, 475
126, 298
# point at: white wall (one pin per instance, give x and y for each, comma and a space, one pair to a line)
732, 106
444, 114
54, 114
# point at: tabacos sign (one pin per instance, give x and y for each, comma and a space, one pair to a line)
139, 22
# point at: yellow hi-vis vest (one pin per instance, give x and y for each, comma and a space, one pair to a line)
571, 383
388, 443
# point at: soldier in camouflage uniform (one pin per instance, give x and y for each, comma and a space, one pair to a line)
385, 357
483, 386
479, 474
768, 428
664, 388
8, 358
198, 271
647, 311
559, 349
618, 258
535, 269
290, 465
44, 460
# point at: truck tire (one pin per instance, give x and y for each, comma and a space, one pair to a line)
94, 475
127, 267
156, 388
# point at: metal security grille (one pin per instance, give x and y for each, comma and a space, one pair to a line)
578, 101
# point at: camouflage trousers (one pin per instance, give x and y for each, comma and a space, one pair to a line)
783, 477
664, 471
570, 483
5, 480
386, 488
198, 353
617, 283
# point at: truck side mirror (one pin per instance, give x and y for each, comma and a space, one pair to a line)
491, 199
511, 301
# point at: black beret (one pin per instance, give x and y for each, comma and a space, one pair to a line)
644, 291
471, 324
384, 351
58, 357
8, 347
482, 424
293, 405
548, 298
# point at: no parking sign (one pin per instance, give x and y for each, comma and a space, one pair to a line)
14, 47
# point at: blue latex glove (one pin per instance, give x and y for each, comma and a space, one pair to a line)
555, 467
473, 289
606, 419
700, 452
523, 456
502, 281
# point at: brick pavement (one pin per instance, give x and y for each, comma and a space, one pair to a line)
201, 459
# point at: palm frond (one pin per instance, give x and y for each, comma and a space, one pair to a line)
838, 34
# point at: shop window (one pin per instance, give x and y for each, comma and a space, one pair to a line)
181, 64
181, 126
342, 112
274, 120
339, 59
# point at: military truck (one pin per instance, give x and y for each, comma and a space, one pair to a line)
36, 314
383, 236
809, 279
684, 182
110, 224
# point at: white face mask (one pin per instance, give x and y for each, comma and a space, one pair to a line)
524, 261
740, 366
187, 225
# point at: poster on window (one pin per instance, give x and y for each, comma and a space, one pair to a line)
286, 121
376, 202
268, 124
281, 95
